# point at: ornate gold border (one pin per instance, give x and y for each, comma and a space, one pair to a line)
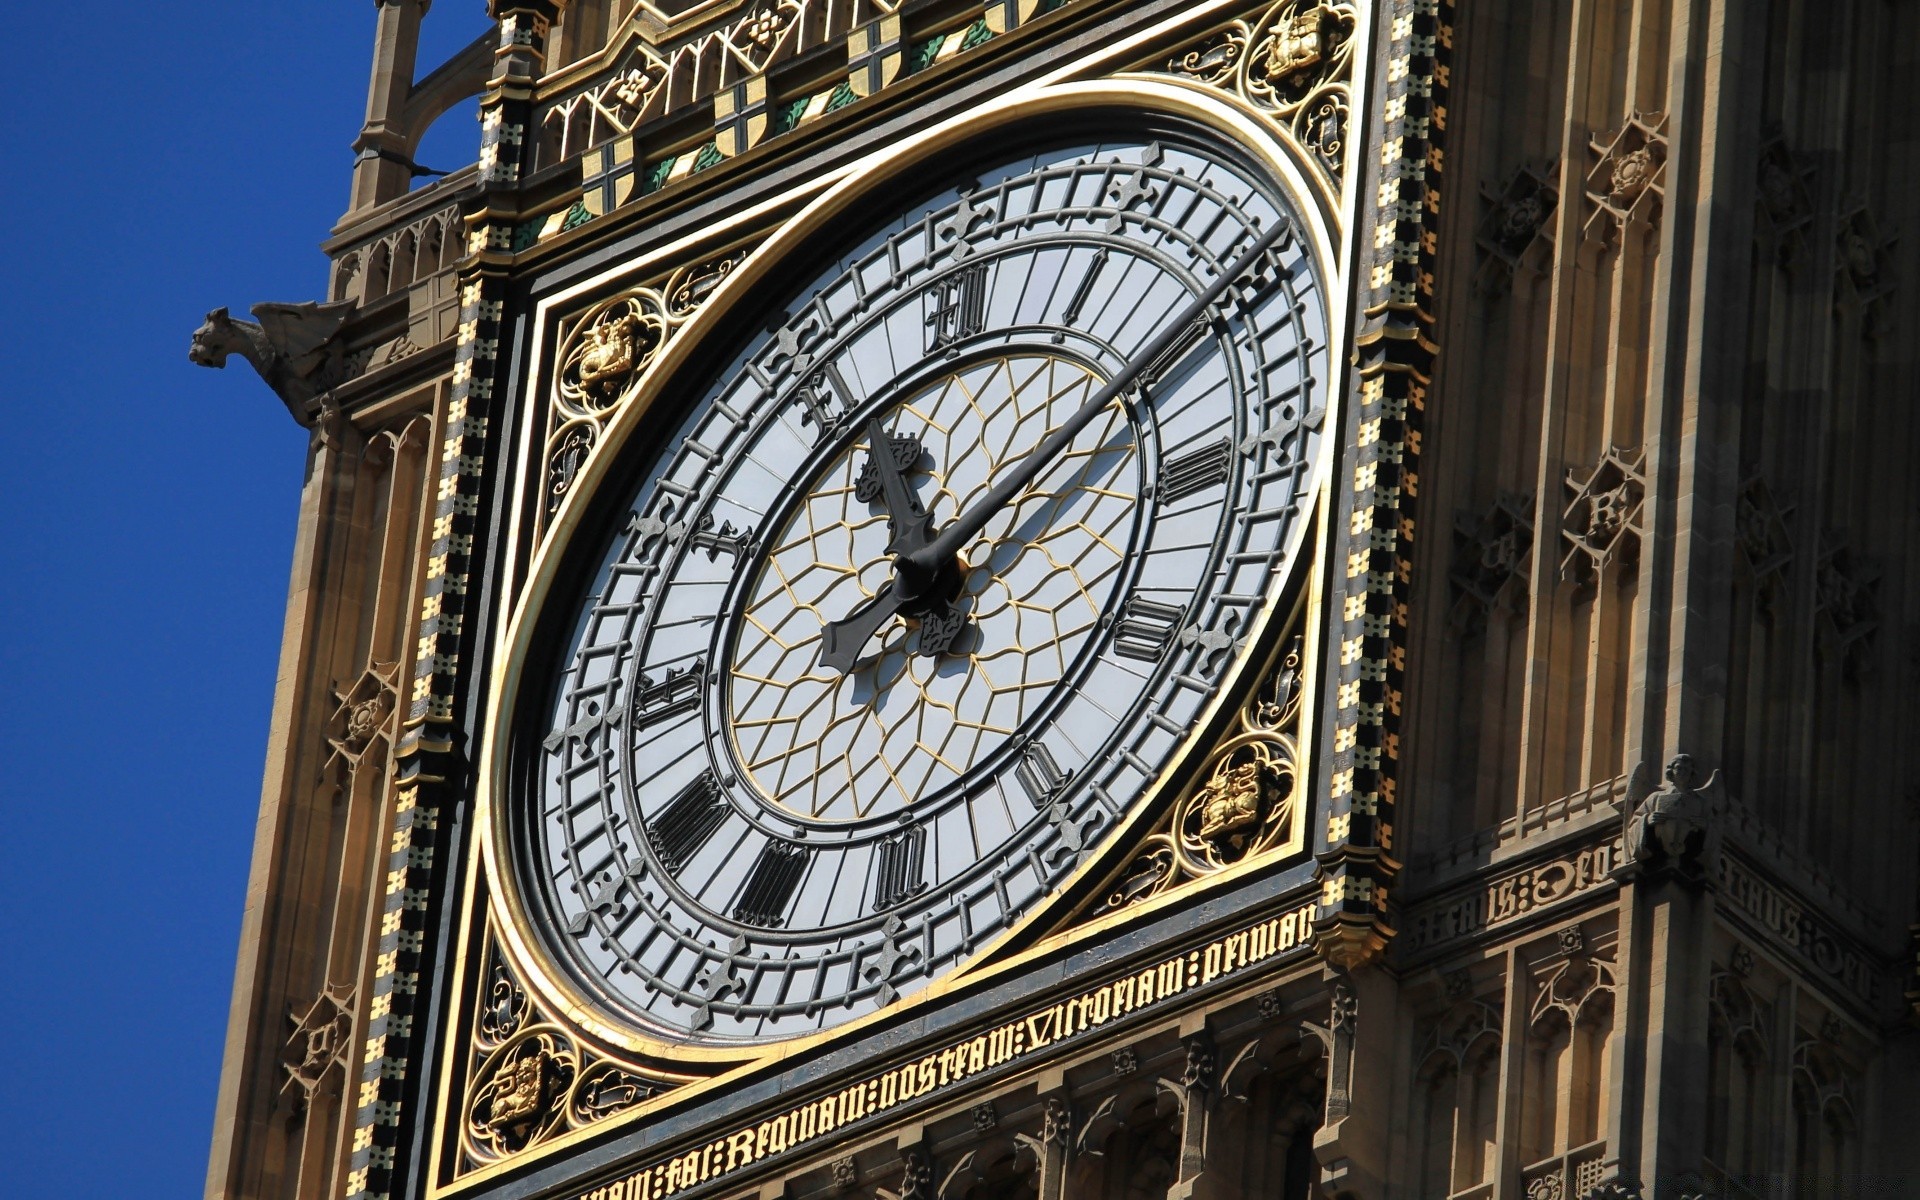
1227, 117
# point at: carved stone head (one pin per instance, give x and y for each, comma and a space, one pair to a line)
214, 340
1681, 773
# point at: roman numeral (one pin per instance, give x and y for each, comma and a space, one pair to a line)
828, 402
1170, 358
1196, 471
725, 540
901, 872
1145, 629
771, 884
686, 823
956, 307
678, 693
1082, 293
1039, 773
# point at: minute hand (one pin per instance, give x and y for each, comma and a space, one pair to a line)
969, 523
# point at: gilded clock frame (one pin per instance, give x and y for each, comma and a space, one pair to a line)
491, 900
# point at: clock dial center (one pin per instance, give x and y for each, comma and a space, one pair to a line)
1011, 611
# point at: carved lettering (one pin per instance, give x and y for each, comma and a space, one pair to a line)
1512, 896
813, 1120
1781, 917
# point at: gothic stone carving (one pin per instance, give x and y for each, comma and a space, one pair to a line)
295, 348
1766, 546
1670, 828
1601, 523
1846, 603
361, 712
530, 1080
1863, 272
1783, 201
319, 1046
1509, 897
1294, 61
649, 82
1628, 180
1492, 559
1514, 232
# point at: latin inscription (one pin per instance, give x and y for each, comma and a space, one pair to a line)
1795, 928
1511, 897
817, 1119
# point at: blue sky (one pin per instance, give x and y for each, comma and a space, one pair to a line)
165, 158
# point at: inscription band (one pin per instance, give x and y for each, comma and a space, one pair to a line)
1136, 991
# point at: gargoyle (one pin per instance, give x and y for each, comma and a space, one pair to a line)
1670, 828
295, 348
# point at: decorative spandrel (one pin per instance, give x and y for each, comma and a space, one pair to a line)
1244, 803
530, 1078
604, 351
1294, 62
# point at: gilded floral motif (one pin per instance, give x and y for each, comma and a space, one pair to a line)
1243, 805
604, 352
1294, 61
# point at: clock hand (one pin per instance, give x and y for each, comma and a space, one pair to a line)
917, 570
928, 559
908, 523
841, 641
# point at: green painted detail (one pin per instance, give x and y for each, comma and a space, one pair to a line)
576, 216
976, 33
656, 176
842, 96
709, 154
527, 233
788, 115
921, 56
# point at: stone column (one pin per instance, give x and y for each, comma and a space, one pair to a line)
379, 171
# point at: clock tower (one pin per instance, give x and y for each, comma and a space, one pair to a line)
1097, 598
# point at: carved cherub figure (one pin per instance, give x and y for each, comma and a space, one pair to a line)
1670, 827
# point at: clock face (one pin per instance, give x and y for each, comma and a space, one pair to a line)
780, 772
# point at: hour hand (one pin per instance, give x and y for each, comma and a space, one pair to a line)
884, 477
842, 641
